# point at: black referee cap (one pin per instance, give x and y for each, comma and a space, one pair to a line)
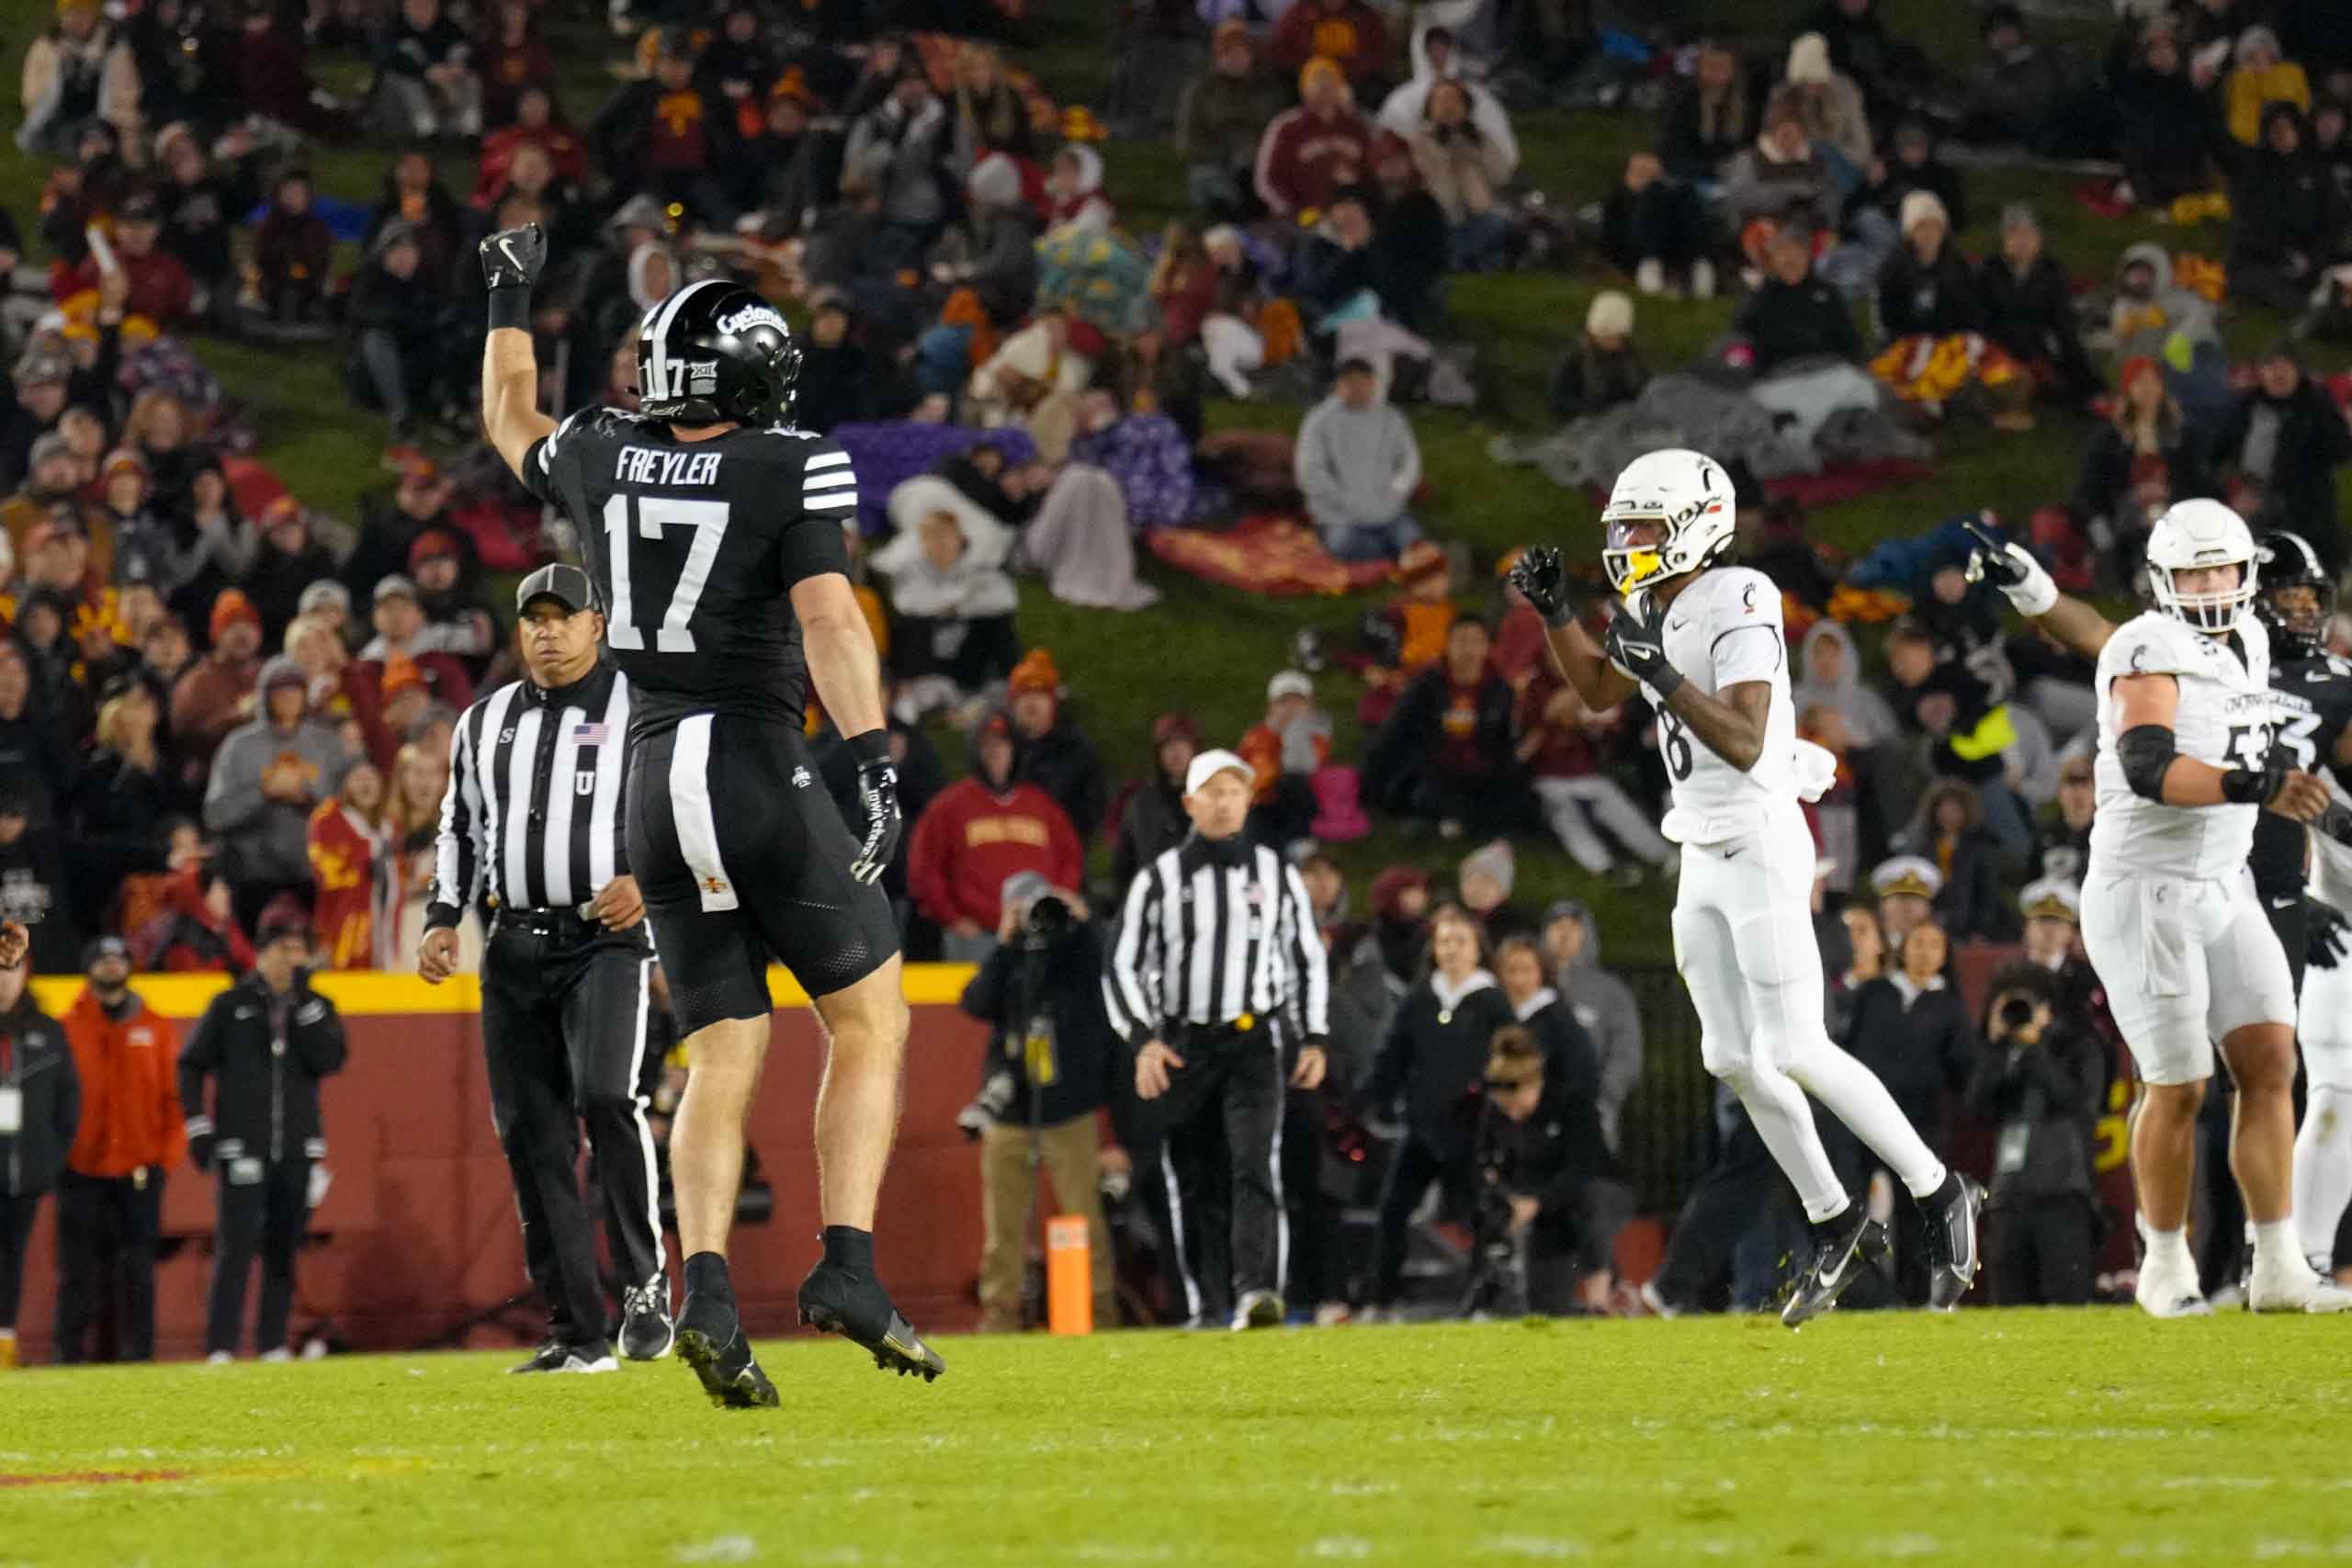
567, 585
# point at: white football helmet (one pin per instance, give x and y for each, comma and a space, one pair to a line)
1689, 493
2197, 534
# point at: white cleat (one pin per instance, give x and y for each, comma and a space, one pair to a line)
2288, 1283
2170, 1293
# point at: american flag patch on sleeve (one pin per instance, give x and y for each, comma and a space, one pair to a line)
591, 735
827, 483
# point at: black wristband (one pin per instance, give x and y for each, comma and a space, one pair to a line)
2250, 786
1666, 679
510, 307
870, 748
1565, 615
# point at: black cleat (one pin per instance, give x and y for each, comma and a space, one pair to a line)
710, 1340
1952, 1212
852, 1303
548, 1357
647, 1331
1842, 1249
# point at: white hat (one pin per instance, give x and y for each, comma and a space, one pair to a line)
1208, 764
1610, 315
2051, 899
1809, 58
1906, 873
1289, 683
1918, 207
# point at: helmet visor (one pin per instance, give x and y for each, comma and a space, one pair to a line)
1634, 552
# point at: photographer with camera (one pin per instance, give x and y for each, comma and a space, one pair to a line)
1547, 1179
2039, 1083
1053, 1063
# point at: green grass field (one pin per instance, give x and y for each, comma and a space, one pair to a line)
1988, 1436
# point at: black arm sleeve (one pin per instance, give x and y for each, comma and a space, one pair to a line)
811, 547
2145, 752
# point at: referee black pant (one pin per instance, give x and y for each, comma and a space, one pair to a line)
564, 1029
1223, 1157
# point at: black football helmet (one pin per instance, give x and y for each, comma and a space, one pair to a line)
713, 352
2288, 561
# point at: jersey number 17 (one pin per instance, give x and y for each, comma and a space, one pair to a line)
653, 515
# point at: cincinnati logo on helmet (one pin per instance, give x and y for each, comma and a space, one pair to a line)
751, 316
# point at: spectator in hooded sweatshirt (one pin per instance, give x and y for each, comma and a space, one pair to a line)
1601, 1003
1483, 883
951, 601
1358, 465
981, 831
269, 776
1829, 103
904, 148
1286, 749
399, 312
2260, 77
1309, 153
1220, 117
1153, 819
2022, 90
1056, 755
2282, 443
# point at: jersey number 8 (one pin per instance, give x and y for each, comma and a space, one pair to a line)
654, 514
1675, 741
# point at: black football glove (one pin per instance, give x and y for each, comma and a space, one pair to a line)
1637, 644
878, 792
1542, 577
512, 259
2328, 938
2010, 568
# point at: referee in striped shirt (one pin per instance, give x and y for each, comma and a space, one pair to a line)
532, 826
1217, 961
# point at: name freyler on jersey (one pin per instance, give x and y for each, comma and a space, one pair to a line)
652, 466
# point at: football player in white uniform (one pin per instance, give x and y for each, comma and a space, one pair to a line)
1704, 643
2170, 917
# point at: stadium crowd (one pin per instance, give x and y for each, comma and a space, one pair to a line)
226, 715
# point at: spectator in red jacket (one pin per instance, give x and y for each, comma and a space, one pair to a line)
1309, 153
535, 125
981, 831
160, 287
1349, 33
198, 931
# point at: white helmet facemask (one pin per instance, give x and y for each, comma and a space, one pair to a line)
1688, 497
2195, 536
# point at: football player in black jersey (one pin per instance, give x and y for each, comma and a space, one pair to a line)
713, 528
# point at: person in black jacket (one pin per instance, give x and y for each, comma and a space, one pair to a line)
1153, 819
398, 314
2286, 437
1910, 1027
2030, 308
1795, 315
1546, 1175
1927, 287
1711, 121
2285, 222
265, 1043
40, 1108
1435, 1058
2040, 1082
1949, 830
1053, 1062
1570, 1057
